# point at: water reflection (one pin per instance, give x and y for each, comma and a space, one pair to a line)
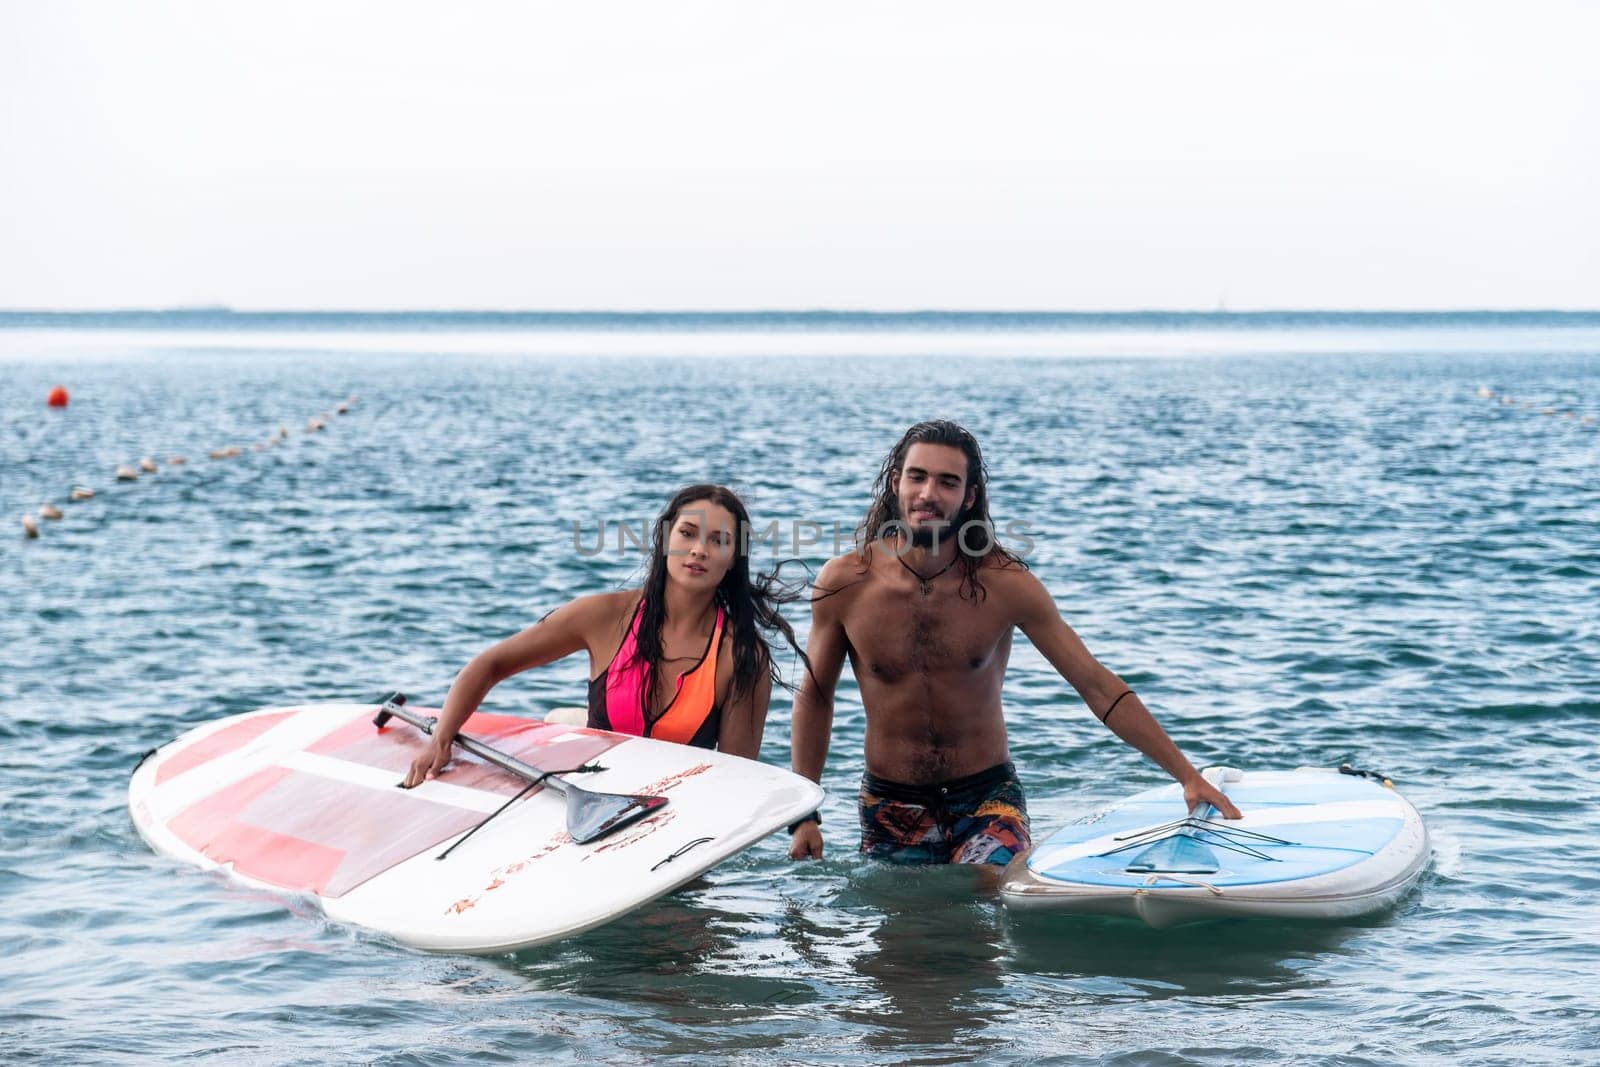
931, 960
1108, 957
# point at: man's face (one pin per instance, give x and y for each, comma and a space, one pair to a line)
932, 491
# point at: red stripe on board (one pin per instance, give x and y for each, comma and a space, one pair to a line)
224, 741
214, 828
357, 729
205, 820
312, 834
278, 859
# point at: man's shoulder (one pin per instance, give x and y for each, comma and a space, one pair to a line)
1008, 582
840, 580
844, 570
1006, 568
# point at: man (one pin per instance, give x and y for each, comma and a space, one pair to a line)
924, 609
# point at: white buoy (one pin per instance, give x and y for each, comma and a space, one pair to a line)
1485, 392
148, 465
81, 493
49, 511
126, 473
30, 528
176, 461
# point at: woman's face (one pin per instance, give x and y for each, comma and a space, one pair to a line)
701, 544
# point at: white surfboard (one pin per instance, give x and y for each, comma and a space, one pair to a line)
1313, 844
304, 800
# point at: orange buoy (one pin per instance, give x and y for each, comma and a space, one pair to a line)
58, 397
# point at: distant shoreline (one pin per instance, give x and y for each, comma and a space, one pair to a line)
227, 319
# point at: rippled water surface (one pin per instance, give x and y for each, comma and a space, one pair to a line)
1304, 544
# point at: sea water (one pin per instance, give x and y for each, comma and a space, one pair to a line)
1305, 540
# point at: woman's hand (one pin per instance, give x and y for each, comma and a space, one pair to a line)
430, 764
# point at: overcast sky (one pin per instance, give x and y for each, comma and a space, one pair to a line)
760, 155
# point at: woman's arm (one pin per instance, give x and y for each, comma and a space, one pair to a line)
564, 631
745, 719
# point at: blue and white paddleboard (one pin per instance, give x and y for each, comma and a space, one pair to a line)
1313, 844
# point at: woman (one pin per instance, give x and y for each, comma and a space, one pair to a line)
682, 659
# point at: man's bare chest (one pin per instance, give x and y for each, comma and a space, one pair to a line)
893, 636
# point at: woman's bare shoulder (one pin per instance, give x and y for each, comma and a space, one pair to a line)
600, 612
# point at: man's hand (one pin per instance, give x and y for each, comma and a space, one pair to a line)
1198, 791
806, 842
430, 764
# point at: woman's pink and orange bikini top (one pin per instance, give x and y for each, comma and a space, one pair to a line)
616, 696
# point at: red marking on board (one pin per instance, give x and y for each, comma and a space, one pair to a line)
663, 784
228, 739
501, 875
640, 830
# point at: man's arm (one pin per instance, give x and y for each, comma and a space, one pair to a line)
1100, 688
813, 704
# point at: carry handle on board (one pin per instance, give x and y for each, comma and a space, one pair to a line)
590, 815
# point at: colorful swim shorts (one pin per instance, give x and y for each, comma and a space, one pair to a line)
981, 818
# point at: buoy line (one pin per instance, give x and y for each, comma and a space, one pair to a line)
131, 472
1509, 401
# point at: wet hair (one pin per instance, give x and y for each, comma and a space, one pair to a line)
751, 604
884, 514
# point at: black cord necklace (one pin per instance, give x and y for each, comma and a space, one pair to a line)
925, 584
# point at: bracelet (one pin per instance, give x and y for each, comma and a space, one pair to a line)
813, 817
1114, 703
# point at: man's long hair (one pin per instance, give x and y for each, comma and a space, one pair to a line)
750, 604
885, 509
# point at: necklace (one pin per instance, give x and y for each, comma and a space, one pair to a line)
925, 584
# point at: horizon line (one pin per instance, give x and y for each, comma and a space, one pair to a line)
1218, 312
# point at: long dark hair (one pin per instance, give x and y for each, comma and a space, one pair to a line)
885, 507
751, 605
